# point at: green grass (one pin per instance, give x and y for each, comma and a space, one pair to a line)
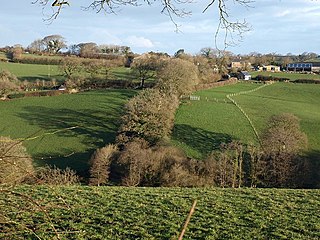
291, 76
32, 72
159, 213
94, 115
201, 126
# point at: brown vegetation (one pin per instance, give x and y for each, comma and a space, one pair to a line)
15, 162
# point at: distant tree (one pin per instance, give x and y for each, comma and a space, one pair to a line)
282, 141
54, 43
15, 162
17, 51
145, 66
37, 46
177, 77
207, 69
74, 49
209, 52
100, 164
88, 49
70, 66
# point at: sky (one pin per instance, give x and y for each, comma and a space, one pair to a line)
277, 26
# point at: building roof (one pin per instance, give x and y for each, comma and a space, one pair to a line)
245, 73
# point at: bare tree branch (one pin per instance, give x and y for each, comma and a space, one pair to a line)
171, 8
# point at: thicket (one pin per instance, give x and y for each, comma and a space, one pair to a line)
311, 81
270, 78
8, 82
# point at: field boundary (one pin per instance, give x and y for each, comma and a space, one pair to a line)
229, 96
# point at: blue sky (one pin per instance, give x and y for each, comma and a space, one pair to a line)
278, 26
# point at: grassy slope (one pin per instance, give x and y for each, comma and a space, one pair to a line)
291, 76
94, 114
32, 72
159, 213
201, 126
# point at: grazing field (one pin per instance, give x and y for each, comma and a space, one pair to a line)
291, 76
201, 126
32, 72
64, 130
159, 213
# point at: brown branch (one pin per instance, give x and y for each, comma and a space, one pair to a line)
188, 220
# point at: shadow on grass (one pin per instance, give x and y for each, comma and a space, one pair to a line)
88, 128
313, 162
46, 78
200, 140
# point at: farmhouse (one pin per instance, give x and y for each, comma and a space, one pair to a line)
304, 67
244, 75
240, 65
270, 68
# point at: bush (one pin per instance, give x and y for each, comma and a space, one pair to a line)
15, 162
159, 165
311, 81
270, 78
56, 176
149, 115
177, 77
100, 164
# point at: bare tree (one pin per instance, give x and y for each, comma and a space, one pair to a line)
282, 141
172, 8
100, 164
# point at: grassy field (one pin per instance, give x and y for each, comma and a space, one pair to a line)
64, 130
291, 76
159, 213
201, 126
32, 72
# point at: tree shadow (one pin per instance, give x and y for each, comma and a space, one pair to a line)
46, 78
313, 169
89, 128
199, 139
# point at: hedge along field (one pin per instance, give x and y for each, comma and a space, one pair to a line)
159, 213
201, 126
32, 72
64, 130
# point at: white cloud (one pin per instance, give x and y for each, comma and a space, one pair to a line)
142, 42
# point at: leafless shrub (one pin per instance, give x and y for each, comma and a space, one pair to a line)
15, 162
100, 164
55, 176
283, 141
159, 165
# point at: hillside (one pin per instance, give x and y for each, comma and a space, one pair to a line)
64, 130
159, 213
201, 126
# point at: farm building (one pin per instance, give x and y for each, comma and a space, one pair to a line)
244, 75
240, 65
270, 68
304, 67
